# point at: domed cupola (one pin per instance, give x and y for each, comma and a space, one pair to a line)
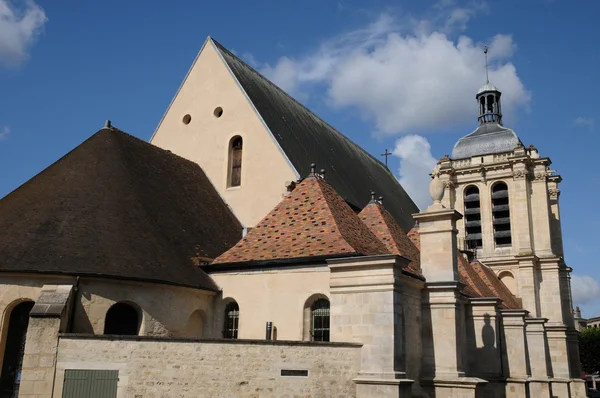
491, 136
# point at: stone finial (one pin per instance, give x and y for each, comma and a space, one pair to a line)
323, 173
107, 124
436, 189
381, 200
313, 168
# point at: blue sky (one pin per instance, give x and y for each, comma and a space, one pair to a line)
400, 75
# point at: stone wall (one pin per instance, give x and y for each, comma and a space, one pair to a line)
158, 367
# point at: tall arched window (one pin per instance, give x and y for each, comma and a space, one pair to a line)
122, 319
501, 215
234, 177
10, 378
320, 320
473, 219
232, 320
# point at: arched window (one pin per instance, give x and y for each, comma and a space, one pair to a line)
10, 377
320, 320
122, 319
501, 215
234, 177
232, 320
473, 219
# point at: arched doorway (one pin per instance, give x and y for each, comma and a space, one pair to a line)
122, 319
18, 321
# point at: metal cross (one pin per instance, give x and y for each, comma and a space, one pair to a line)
386, 154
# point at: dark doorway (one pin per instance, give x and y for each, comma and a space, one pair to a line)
122, 319
14, 350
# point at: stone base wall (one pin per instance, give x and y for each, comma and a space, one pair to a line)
155, 367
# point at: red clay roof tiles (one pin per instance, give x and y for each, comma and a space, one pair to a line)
387, 230
312, 221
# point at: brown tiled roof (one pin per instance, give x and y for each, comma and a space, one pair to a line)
387, 230
479, 279
498, 288
312, 221
117, 206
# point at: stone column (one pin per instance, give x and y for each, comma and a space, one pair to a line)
516, 359
366, 308
539, 384
444, 334
551, 294
528, 284
48, 318
555, 225
540, 210
520, 203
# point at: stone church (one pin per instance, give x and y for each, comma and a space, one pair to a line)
252, 250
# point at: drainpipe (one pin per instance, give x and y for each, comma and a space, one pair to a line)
73, 304
269, 330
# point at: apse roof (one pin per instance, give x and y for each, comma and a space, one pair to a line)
305, 138
118, 207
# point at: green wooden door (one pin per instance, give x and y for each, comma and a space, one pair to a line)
90, 383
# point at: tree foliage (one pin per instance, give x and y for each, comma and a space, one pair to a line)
589, 350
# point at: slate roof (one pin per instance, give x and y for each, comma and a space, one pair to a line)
488, 138
117, 206
306, 139
387, 230
479, 279
313, 221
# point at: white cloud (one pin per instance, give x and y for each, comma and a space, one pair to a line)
584, 122
408, 76
18, 30
584, 289
416, 162
4, 132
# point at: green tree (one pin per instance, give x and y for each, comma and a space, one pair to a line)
589, 350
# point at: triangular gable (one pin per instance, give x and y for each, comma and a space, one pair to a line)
306, 138
313, 221
387, 230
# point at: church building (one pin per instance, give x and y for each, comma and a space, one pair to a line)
252, 250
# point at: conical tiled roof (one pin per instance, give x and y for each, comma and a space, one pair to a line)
117, 206
312, 221
387, 230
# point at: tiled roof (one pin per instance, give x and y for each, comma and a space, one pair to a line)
387, 230
117, 206
306, 138
312, 221
479, 279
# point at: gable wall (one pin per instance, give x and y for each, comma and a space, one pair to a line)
205, 139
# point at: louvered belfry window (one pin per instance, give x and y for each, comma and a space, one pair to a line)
235, 162
320, 320
501, 215
232, 317
473, 219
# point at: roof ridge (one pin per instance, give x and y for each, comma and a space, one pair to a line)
223, 48
341, 224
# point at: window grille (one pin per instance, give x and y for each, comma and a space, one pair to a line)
320, 320
232, 317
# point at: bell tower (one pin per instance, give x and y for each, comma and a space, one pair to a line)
508, 196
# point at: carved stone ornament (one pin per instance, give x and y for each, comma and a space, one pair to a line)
436, 189
554, 193
519, 174
449, 184
540, 176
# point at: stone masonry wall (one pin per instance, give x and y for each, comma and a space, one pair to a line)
155, 367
